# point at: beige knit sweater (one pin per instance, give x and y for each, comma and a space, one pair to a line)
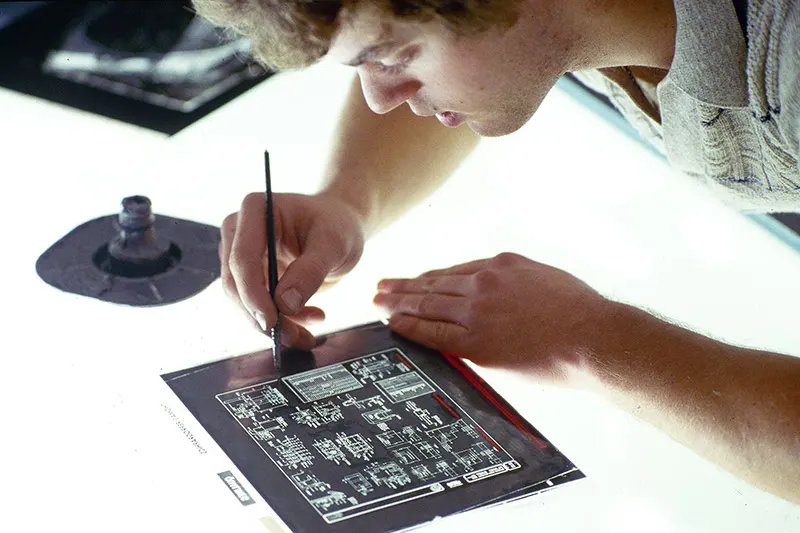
727, 113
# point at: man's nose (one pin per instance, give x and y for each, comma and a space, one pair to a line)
382, 97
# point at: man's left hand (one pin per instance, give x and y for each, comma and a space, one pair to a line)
507, 311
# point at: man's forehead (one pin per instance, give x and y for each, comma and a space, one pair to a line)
365, 34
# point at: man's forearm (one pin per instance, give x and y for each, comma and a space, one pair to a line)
384, 164
738, 407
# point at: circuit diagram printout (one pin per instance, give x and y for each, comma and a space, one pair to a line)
366, 434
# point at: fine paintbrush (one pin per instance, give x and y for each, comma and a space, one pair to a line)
272, 267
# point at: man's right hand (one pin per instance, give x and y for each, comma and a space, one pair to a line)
318, 240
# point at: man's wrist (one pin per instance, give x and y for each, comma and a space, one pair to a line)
363, 204
608, 355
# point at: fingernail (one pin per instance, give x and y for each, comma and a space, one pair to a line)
381, 301
262, 321
292, 300
385, 285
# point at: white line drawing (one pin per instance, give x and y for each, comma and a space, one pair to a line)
439, 452
404, 387
322, 383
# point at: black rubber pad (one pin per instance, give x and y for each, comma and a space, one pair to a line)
69, 265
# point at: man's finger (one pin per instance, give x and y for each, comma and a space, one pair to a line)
227, 233
305, 275
441, 336
431, 306
457, 285
283, 264
247, 256
296, 336
464, 268
309, 315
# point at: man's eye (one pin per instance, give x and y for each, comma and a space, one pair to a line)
400, 65
392, 69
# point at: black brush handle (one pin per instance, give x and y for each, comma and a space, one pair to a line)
272, 265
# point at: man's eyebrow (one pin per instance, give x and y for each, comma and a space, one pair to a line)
371, 53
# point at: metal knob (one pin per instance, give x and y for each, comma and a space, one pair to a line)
137, 251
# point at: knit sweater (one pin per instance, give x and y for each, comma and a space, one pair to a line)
727, 112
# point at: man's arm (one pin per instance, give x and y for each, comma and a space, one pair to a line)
384, 164
381, 165
738, 407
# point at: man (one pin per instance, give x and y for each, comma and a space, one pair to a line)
724, 111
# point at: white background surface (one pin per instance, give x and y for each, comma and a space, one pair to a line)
86, 444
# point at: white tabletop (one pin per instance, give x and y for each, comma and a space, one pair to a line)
87, 443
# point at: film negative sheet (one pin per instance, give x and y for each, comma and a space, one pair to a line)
369, 432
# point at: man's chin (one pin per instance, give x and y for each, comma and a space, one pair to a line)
495, 128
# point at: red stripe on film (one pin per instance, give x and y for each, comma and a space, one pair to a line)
477, 382
439, 399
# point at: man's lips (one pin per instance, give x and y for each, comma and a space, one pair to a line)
450, 118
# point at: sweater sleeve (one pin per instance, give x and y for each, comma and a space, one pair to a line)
789, 80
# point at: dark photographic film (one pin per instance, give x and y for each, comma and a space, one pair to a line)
371, 433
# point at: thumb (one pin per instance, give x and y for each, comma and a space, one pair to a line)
323, 253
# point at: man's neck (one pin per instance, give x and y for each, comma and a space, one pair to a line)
628, 33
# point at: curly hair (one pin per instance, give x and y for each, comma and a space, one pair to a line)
290, 34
